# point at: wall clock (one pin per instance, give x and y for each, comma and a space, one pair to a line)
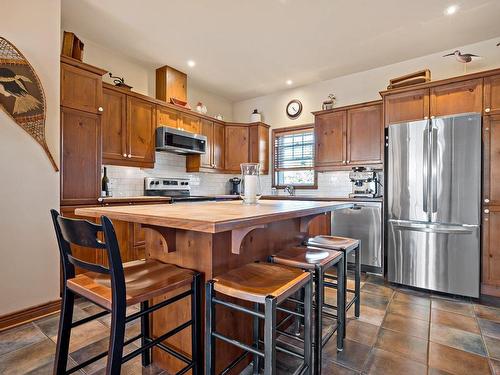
294, 109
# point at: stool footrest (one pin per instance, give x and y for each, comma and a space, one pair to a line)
282, 309
237, 307
234, 363
89, 318
179, 356
238, 344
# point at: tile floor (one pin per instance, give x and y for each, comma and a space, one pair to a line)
400, 331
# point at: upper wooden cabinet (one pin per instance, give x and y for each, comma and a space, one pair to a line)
406, 106
81, 86
128, 135
80, 157
170, 83
330, 136
349, 136
259, 146
190, 123
114, 127
457, 97
218, 146
492, 95
365, 135
236, 147
213, 158
166, 116
491, 160
141, 125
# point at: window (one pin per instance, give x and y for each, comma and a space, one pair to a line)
293, 157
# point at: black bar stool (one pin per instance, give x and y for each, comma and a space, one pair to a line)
114, 289
347, 246
319, 261
262, 284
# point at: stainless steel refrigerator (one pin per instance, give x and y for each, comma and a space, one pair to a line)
433, 204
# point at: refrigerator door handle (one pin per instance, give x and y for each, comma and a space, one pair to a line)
425, 170
434, 143
433, 228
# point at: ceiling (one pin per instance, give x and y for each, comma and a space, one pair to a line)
245, 49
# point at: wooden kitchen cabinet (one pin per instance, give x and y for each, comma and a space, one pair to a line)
141, 126
80, 157
190, 123
365, 135
259, 146
213, 159
491, 251
406, 106
81, 85
218, 146
492, 95
114, 127
166, 116
330, 136
236, 147
491, 160
457, 97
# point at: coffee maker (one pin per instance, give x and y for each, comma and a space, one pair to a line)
365, 183
235, 186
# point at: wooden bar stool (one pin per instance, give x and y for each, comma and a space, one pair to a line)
319, 261
262, 284
114, 289
346, 245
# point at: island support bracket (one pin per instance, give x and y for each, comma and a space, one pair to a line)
306, 220
167, 236
238, 235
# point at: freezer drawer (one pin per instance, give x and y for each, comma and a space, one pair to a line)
363, 222
443, 258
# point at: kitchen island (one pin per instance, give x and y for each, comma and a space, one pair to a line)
213, 238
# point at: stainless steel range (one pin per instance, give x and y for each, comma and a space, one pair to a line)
176, 188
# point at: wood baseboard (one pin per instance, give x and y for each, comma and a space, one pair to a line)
490, 290
27, 315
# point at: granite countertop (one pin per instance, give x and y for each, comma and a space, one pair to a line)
320, 198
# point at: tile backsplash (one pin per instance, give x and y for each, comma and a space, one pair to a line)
129, 181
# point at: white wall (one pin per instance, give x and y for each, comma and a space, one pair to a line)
29, 266
363, 86
142, 78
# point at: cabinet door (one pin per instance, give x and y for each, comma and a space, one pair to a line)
491, 160
459, 97
83, 253
81, 157
218, 146
491, 250
207, 129
80, 89
167, 117
141, 125
190, 123
236, 147
259, 147
330, 135
365, 135
406, 106
114, 127
492, 95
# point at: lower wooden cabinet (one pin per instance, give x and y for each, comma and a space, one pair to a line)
491, 160
491, 251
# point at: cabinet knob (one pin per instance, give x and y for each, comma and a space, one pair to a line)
487, 110
348, 161
129, 155
486, 200
426, 117
486, 211
100, 109
124, 155
432, 117
343, 161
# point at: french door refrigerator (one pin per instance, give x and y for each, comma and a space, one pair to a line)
433, 204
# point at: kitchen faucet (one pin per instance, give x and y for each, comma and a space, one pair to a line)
290, 189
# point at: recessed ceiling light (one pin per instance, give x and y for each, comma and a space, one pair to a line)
452, 9
289, 82
191, 63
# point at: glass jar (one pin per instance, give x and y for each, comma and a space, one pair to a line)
251, 190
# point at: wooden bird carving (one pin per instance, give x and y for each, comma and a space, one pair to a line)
462, 57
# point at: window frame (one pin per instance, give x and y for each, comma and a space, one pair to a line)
276, 132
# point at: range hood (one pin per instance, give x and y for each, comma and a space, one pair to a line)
179, 141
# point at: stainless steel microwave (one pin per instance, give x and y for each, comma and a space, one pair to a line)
179, 141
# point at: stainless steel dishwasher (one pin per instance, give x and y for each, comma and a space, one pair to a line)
363, 221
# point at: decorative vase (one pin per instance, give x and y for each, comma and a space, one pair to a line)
255, 116
251, 190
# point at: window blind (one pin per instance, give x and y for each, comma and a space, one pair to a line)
294, 150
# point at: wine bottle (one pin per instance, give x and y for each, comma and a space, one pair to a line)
105, 184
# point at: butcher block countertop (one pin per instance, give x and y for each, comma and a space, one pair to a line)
213, 217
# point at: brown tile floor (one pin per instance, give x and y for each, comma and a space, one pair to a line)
400, 331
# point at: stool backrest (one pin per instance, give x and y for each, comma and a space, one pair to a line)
86, 234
